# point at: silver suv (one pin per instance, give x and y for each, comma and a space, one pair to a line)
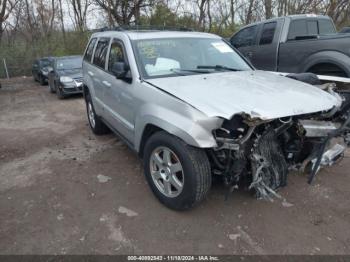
192, 107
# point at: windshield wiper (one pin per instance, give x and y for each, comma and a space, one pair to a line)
218, 67
197, 71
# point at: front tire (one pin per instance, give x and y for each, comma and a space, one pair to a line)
41, 80
178, 174
51, 88
60, 93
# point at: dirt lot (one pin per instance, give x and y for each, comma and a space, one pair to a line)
65, 191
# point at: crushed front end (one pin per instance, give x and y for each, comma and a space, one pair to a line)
258, 154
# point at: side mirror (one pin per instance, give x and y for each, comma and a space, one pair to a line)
120, 70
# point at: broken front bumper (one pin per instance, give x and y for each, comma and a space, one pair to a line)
326, 131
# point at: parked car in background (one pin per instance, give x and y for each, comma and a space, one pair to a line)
192, 107
41, 68
345, 30
296, 44
66, 77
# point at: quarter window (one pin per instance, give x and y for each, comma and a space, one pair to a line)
268, 33
297, 28
101, 52
302, 27
326, 26
116, 54
312, 28
89, 50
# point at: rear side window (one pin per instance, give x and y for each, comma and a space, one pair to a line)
268, 33
297, 28
101, 52
302, 27
312, 28
245, 37
326, 26
89, 50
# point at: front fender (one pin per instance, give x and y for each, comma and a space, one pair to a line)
333, 57
195, 129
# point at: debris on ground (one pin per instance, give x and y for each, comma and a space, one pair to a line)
285, 203
126, 211
60, 217
103, 179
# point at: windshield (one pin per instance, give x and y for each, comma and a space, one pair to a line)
183, 56
45, 62
69, 63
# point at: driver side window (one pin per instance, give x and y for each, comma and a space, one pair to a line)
116, 54
245, 37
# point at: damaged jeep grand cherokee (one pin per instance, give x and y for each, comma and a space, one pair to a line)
194, 108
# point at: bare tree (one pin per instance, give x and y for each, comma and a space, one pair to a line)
62, 22
46, 12
80, 9
123, 12
268, 8
232, 11
201, 5
6, 7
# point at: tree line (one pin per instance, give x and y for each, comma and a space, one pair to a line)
35, 28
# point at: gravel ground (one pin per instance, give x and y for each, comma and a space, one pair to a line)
65, 191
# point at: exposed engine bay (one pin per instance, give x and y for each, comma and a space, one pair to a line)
259, 154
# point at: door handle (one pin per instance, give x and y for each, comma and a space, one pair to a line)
249, 54
106, 83
90, 73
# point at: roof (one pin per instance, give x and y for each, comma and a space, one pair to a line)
292, 17
307, 16
152, 34
68, 57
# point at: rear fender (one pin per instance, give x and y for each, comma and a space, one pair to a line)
332, 57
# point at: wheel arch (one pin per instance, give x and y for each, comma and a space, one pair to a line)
335, 58
190, 131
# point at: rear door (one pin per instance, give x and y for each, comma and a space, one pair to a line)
118, 96
245, 41
97, 71
266, 52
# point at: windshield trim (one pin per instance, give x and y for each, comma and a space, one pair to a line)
143, 74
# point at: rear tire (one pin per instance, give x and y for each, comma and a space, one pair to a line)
95, 122
41, 80
164, 154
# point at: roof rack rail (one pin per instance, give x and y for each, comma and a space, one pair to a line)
144, 28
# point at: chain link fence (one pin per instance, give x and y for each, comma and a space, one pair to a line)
14, 66
19, 55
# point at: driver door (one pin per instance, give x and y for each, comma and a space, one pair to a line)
245, 41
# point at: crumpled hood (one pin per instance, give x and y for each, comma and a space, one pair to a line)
257, 93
